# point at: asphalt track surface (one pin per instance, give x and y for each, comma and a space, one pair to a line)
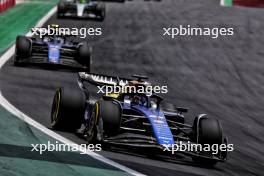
221, 77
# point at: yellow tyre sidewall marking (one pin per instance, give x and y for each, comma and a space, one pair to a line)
96, 112
57, 104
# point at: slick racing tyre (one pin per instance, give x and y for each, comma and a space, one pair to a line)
100, 11
61, 8
90, 130
84, 55
110, 113
207, 131
23, 47
67, 109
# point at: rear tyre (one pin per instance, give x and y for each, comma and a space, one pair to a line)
23, 47
84, 55
61, 8
67, 109
91, 131
110, 113
207, 131
101, 12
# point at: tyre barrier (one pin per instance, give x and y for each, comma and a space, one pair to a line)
5, 4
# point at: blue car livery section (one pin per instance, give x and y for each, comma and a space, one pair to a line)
159, 125
54, 53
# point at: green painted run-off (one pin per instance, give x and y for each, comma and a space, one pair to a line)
228, 2
19, 19
16, 157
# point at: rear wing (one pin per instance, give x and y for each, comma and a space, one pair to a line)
100, 79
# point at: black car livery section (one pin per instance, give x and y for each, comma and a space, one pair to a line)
133, 120
81, 9
53, 52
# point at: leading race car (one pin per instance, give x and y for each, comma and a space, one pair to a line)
81, 9
133, 119
56, 51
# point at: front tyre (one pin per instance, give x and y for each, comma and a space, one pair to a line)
61, 9
207, 131
110, 113
100, 11
84, 55
68, 109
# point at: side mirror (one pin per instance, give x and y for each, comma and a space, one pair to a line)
182, 110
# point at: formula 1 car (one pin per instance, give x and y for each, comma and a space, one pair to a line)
81, 9
133, 119
53, 52
122, 1
148, 0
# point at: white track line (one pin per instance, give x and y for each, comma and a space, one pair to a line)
222, 2
12, 109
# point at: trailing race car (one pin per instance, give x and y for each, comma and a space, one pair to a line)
111, 0
81, 9
56, 51
133, 119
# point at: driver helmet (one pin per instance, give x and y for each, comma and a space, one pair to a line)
136, 100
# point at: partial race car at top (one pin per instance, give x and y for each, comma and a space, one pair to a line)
133, 120
81, 9
57, 51
112, 0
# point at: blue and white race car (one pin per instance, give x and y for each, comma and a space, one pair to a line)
81, 9
134, 120
56, 51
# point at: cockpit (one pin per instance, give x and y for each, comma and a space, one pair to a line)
141, 100
53, 39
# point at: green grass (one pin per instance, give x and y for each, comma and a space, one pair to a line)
228, 2
17, 159
19, 19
